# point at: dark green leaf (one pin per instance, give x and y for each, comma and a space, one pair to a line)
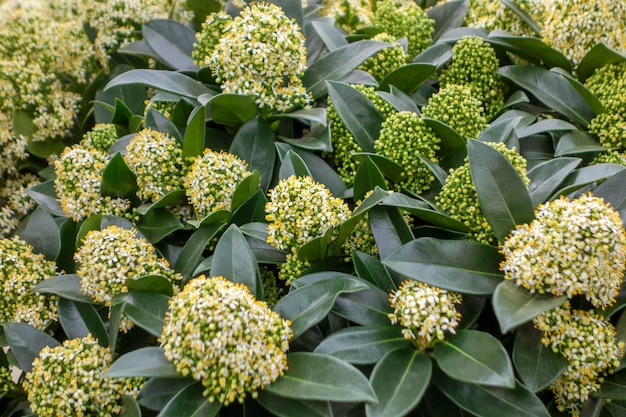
332, 37
514, 305
463, 266
447, 16
66, 286
453, 147
399, 100
308, 305
130, 408
245, 189
399, 380
41, 232
477, 357
371, 269
362, 345
157, 392
542, 126
67, 235
531, 48
552, 90
613, 191
233, 109
423, 211
251, 210
311, 115
438, 54
366, 178
118, 180
597, 57
613, 387
317, 248
537, 365
389, 168
254, 143
588, 175
169, 81
23, 124
589, 97
292, 164
116, 313
312, 376
45, 195
159, 223
143, 362
144, 308
321, 171
503, 196
368, 307
577, 142
408, 77
121, 113
519, 11
80, 319
233, 260
545, 178
193, 140
155, 120
190, 402
287, 407
26, 342
170, 199
172, 42
191, 253
389, 228
45, 148
154, 283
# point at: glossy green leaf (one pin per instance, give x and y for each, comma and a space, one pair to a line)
44, 194
366, 178
477, 357
118, 180
244, 190
389, 228
155, 120
371, 269
193, 140
317, 248
612, 190
41, 232
503, 196
233, 260
453, 147
399, 380
462, 266
447, 16
577, 142
157, 392
359, 114
26, 342
158, 224
361, 345
613, 387
292, 164
191, 253
287, 407
254, 143
143, 362
67, 237
546, 177
66, 286
438, 54
311, 115
532, 49
408, 77
543, 126
313, 376
189, 402
251, 210
145, 308
332, 36
514, 305
170, 199
130, 407
369, 307
389, 168
337, 64
537, 365
588, 175
321, 171
233, 109
399, 100
169, 81
80, 319
23, 124
591, 99
552, 90
154, 283
308, 305
171, 41
484, 401
597, 57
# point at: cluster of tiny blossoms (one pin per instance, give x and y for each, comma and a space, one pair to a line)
456, 106
12, 146
262, 52
68, 380
212, 180
218, 333
15, 202
348, 14
404, 137
495, 15
607, 84
458, 195
609, 157
101, 137
589, 343
572, 247
387, 60
108, 257
426, 313
157, 161
78, 184
208, 36
21, 270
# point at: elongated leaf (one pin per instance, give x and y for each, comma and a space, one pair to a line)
66, 286
67, 236
287, 407
591, 99
159, 223
613, 387
44, 194
514, 305
362, 345
292, 164
453, 146
332, 37
439, 54
389, 168
519, 11
26, 342
155, 120
154, 283
577, 142
399, 381
447, 16
312, 376
337, 64
80, 319
613, 191
477, 357
118, 180
171, 41
597, 57
547, 125
244, 190
130, 407
408, 77
371, 269
144, 362
552, 90
463, 266
170, 199
233, 109
193, 140
233, 260
368, 307
366, 178
192, 251
537, 365
545, 178
169, 81
399, 100
588, 175
157, 392
531, 48
189, 402
321, 171
42, 233
389, 228
254, 143
308, 305
503, 196
145, 308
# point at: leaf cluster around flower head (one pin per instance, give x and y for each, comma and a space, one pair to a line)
590, 344
458, 107
405, 19
349, 15
21, 270
426, 313
607, 84
67, 380
458, 195
209, 35
157, 161
495, 15
101, 137
573, 247
108, 257
218, 333
79, 174
474, 64
387, 60
343, 141
262, 52
404, 137
212, 180
15, 203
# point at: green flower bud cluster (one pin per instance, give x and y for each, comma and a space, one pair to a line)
426, 313
21, 270
458, 195
609, 157
404, 137
68, 380
166, 108
212, 180
101, 137
262, 52
607, 84
387, 60
342, 140
456, 106
270, 286
572, 247
6, 380
157, 161
405, 19
589, 343
349, 15
495, 15
212, 30
15, 203
292, 268
218, 333
109, 257
474, 64
79, 174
